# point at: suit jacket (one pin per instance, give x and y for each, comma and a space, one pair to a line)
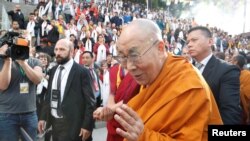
18, 17
223, 80
78, 102
97, 73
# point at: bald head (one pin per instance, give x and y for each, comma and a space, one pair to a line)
67, 43
64, 51
141, 50
141, 29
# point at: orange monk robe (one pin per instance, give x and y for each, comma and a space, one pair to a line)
178, 105
245, 94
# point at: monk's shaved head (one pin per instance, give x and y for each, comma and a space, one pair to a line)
145, 29
141, 50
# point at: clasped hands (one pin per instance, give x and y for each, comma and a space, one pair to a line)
132, 124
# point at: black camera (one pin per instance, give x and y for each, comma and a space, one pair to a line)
18, 46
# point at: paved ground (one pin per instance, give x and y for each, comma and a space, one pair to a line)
100, 132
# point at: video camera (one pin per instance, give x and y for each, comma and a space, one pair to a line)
18, 46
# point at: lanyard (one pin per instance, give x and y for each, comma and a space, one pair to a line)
21, 69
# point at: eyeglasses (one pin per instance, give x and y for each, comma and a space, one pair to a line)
133, 58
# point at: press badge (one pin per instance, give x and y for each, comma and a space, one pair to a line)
55, 98
24, 88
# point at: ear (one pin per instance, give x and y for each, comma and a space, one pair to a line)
210, 41
161, 47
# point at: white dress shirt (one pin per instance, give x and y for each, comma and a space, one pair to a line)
204, 62
65, 75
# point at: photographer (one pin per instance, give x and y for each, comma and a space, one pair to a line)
18, 81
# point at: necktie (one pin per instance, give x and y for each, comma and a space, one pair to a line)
198, 65
95, 84
59, 79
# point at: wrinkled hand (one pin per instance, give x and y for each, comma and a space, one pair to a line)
103, 113
84, 134
130, 121
107, 112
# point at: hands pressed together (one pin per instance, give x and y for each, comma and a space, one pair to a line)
106, 113
132, 124
103, 113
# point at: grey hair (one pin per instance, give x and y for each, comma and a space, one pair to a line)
149, 28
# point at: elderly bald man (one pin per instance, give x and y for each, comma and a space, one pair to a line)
175, 102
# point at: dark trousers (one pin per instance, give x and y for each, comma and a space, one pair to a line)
60, 131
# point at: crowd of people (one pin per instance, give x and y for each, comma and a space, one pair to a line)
119, 62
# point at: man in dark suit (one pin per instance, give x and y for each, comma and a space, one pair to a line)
89, 63
222, 77
17, 15
70, 101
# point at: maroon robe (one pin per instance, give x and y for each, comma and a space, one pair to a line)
127, 89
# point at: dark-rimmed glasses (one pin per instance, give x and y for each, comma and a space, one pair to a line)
133, 58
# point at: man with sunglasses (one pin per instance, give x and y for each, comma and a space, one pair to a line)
175, 102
